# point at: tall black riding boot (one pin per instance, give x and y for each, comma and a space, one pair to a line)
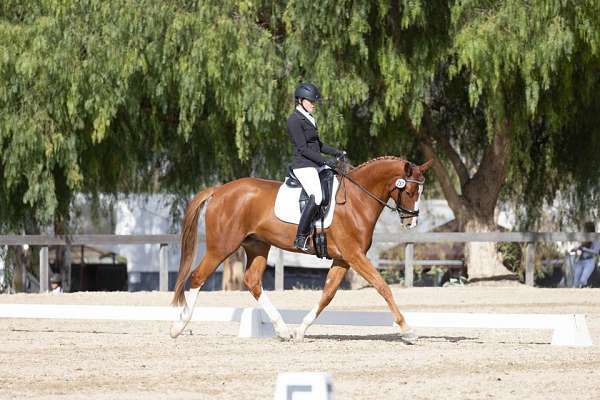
308, 214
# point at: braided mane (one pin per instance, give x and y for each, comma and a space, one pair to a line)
377, 159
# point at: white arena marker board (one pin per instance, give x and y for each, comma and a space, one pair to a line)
568, 329
304, 386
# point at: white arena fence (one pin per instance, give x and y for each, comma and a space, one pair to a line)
567, 329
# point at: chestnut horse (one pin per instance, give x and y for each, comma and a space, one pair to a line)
240, 213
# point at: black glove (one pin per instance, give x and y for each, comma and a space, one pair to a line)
331, 163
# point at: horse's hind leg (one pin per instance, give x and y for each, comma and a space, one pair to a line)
257, 253
203, 271
332, 283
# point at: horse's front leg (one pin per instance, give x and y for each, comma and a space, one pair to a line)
332, 283
363, 266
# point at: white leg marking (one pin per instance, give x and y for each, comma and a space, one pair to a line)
408, 335
278, 323
306, 322
186, 313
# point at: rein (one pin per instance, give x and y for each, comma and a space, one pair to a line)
403, 213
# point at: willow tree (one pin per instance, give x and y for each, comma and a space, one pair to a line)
139, 96
131, 96
527, 69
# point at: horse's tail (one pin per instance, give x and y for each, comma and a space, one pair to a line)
189, 243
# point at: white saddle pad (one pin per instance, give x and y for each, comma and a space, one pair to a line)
287, 208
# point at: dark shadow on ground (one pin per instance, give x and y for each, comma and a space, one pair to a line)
96, 332
392, 337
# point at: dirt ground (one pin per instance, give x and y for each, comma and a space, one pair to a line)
59, 359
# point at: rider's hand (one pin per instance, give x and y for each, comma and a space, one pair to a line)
331, 163
340, 154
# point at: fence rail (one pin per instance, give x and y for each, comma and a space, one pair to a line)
409, 238
80, 240
530, 238
522, 237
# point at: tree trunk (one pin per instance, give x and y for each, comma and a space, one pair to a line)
62, 258
474, 200
20, 269
62, 265
482, 258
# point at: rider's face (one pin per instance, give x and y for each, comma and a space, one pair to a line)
308, 105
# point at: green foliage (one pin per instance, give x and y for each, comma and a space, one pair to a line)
512, 257
123, 96
392, 276
536, 63
131, 96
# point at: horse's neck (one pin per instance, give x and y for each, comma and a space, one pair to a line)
374, 178
375, 175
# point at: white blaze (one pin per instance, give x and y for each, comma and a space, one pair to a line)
416, 207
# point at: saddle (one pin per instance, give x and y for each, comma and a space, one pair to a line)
326, 178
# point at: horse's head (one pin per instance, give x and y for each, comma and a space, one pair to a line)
406, 189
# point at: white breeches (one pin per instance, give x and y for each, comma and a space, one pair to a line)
309, 178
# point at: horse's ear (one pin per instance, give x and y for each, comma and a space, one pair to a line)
425, 166
408, 167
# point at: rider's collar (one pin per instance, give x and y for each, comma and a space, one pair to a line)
308, 116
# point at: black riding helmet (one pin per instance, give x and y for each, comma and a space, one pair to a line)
307, 91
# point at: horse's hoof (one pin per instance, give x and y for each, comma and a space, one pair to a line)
284, 335
408, 336
406, 333
177, 328
285, 338
298, 335
282, 331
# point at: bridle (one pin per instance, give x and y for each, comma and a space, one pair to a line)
403, 213
400, 185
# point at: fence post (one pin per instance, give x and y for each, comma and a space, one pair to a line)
529, 265
408, 264
67, 272
279, 270
163, 277
44, 269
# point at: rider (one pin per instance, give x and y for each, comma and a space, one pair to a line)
307, 161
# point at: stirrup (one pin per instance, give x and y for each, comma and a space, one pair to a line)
301, 243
